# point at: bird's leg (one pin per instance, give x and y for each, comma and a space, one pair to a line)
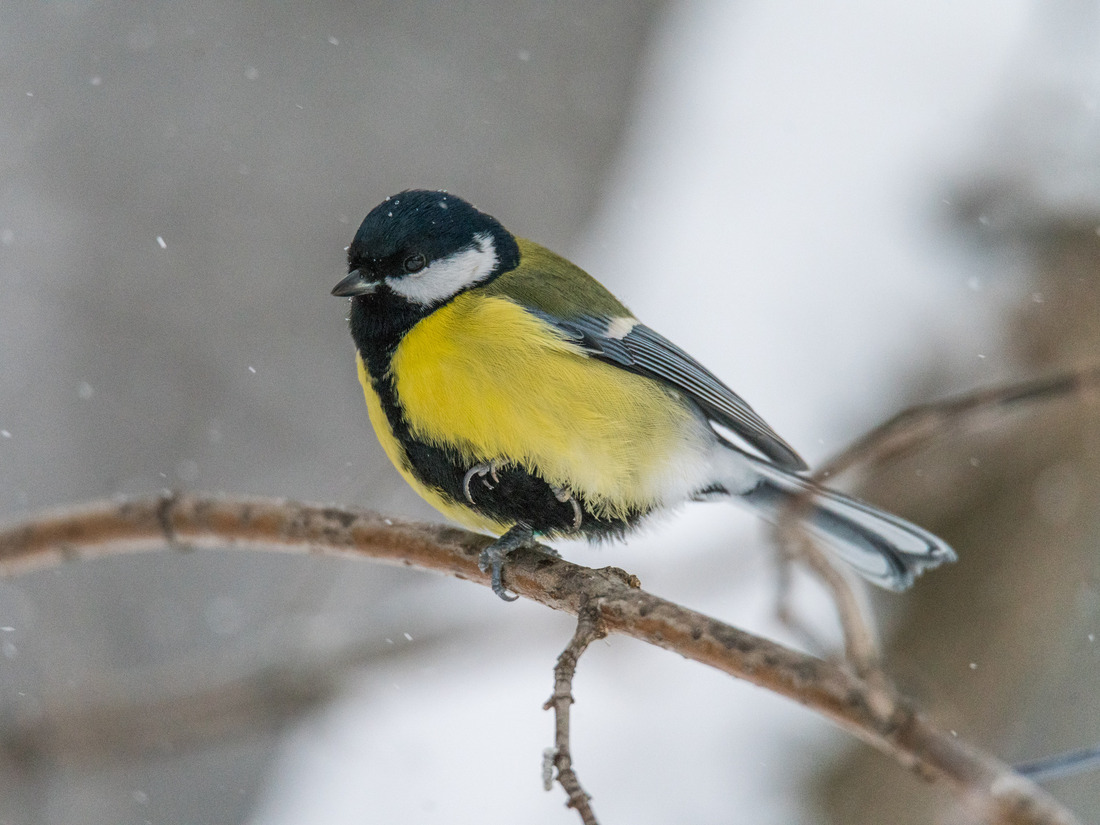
563, 495
492, 557
480, 470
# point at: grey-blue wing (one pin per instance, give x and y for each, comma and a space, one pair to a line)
641, 350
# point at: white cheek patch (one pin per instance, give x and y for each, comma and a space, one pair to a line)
448, 276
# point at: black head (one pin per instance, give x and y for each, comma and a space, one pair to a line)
426, 247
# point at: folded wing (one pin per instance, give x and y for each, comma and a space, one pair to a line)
635, 347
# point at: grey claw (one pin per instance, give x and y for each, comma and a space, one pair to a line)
466, 484
563, 495
491, 561
492, 558
481, 470
578, 514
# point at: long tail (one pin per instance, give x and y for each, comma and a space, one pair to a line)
886, 550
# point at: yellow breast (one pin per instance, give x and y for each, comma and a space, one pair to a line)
453, 510
486, 378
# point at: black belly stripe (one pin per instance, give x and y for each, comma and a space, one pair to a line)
516, 496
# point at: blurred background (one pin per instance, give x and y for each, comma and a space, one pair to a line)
841, 209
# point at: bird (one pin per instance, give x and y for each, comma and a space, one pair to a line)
522, 399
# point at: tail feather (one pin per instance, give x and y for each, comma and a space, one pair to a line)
883, 548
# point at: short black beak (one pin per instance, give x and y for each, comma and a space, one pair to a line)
354, 284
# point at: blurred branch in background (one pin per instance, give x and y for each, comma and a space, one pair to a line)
1006, 644
1061, 764
116, 722
874, 712
906, 432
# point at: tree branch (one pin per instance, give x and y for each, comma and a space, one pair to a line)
588, 631
918, 425
881, 718
905, 432
1060, 765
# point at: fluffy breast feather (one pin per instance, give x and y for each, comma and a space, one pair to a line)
485, 377
396, 454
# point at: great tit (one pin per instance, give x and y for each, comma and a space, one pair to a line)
521, 398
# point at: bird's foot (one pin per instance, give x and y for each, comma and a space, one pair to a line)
563, 495
492, 558
481, 470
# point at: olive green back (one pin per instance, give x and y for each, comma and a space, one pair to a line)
551, 284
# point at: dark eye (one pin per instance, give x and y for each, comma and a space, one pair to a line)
414, 263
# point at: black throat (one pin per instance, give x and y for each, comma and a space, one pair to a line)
378, 323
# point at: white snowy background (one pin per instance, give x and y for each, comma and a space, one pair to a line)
766, 183
774, 210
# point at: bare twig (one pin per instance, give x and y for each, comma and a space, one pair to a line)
785, 611
889, 723
860, 643
903, 433
114, 719
1061, 765
918, 425
116, 730
588, 631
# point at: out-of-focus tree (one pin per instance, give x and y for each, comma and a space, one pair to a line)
1008, 646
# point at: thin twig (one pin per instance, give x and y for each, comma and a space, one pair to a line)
918, 425
895, 727
903, 433
117, 721
860, 642
588, 631
785, 609
1061, 765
